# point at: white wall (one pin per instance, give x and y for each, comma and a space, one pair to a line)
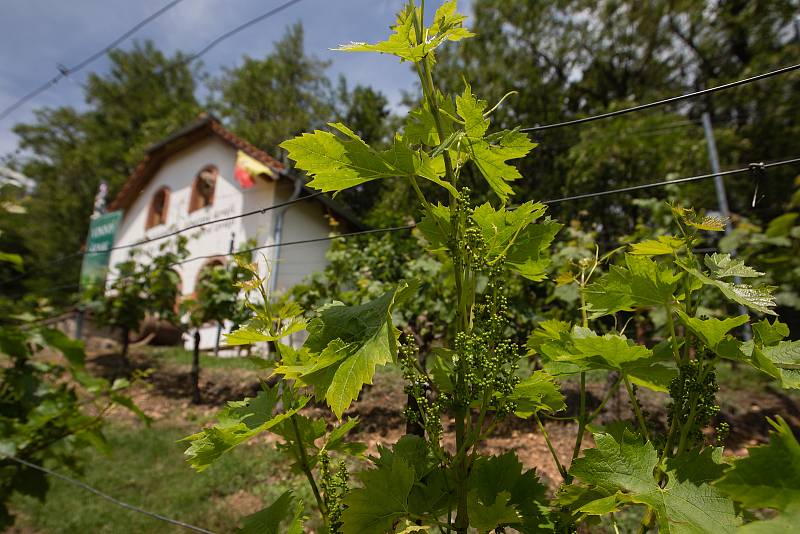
178, 174
305, 220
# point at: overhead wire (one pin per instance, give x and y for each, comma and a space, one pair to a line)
664, 101
183, 61
106, 496
259, 211
66, 71
661, 183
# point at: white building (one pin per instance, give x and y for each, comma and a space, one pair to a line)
188, 178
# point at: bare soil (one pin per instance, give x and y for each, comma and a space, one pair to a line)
164, 393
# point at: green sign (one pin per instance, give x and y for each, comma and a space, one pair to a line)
98, 248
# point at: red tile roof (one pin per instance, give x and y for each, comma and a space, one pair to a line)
205, 126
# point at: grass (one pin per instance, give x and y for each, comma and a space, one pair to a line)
146, 468
182, 356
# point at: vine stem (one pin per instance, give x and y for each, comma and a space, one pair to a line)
613, 389
461, 413
552, 450
673, 335
581, 418
304, 465
636, 409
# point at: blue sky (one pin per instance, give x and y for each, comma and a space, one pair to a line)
38, 35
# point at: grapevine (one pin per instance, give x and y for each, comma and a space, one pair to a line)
439, 479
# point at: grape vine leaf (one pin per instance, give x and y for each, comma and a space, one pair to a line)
622, 467
699, 221
430, 493
491, 159
501, 494
237, 423
347, 343
254, 332
641, 282
382, 501
712, 331
435, 226
586, 349
784, 523
538, 392
766, 333
723, 266
338, 162
756, 298
285, 510
515, 237
769, 476
491, 153
447, 26
784, 362
665, 244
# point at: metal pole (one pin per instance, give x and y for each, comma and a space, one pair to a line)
219, 325
719, 185
722, 200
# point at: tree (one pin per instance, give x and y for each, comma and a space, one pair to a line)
269, 99
214, 301
144, 284
144, 96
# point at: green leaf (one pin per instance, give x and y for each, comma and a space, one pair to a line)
285, 510
623, 468
549, 330
512, 235
252, 333
237, 423
781, 226
447, 26
784, 523
769, 476
13, 259
665, 244
338, 163
347, 343
723, 266
72, 349
586, 349
336, 439
435, 226
381, 501
770, 334
470, 109
500, 494
698, 467
491, 159
701, 222
712, 331
538, 392
755, 298
641, 282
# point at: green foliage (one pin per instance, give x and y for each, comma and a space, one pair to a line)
142, 96
467, 369
269, 520
48, 410
269, 99
135, 291
620, 471
769, 476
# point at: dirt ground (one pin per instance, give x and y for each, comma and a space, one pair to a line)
164, 394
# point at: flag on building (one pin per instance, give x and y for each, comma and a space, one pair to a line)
247, 168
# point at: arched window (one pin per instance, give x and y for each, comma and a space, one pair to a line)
203, 188
158, 208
